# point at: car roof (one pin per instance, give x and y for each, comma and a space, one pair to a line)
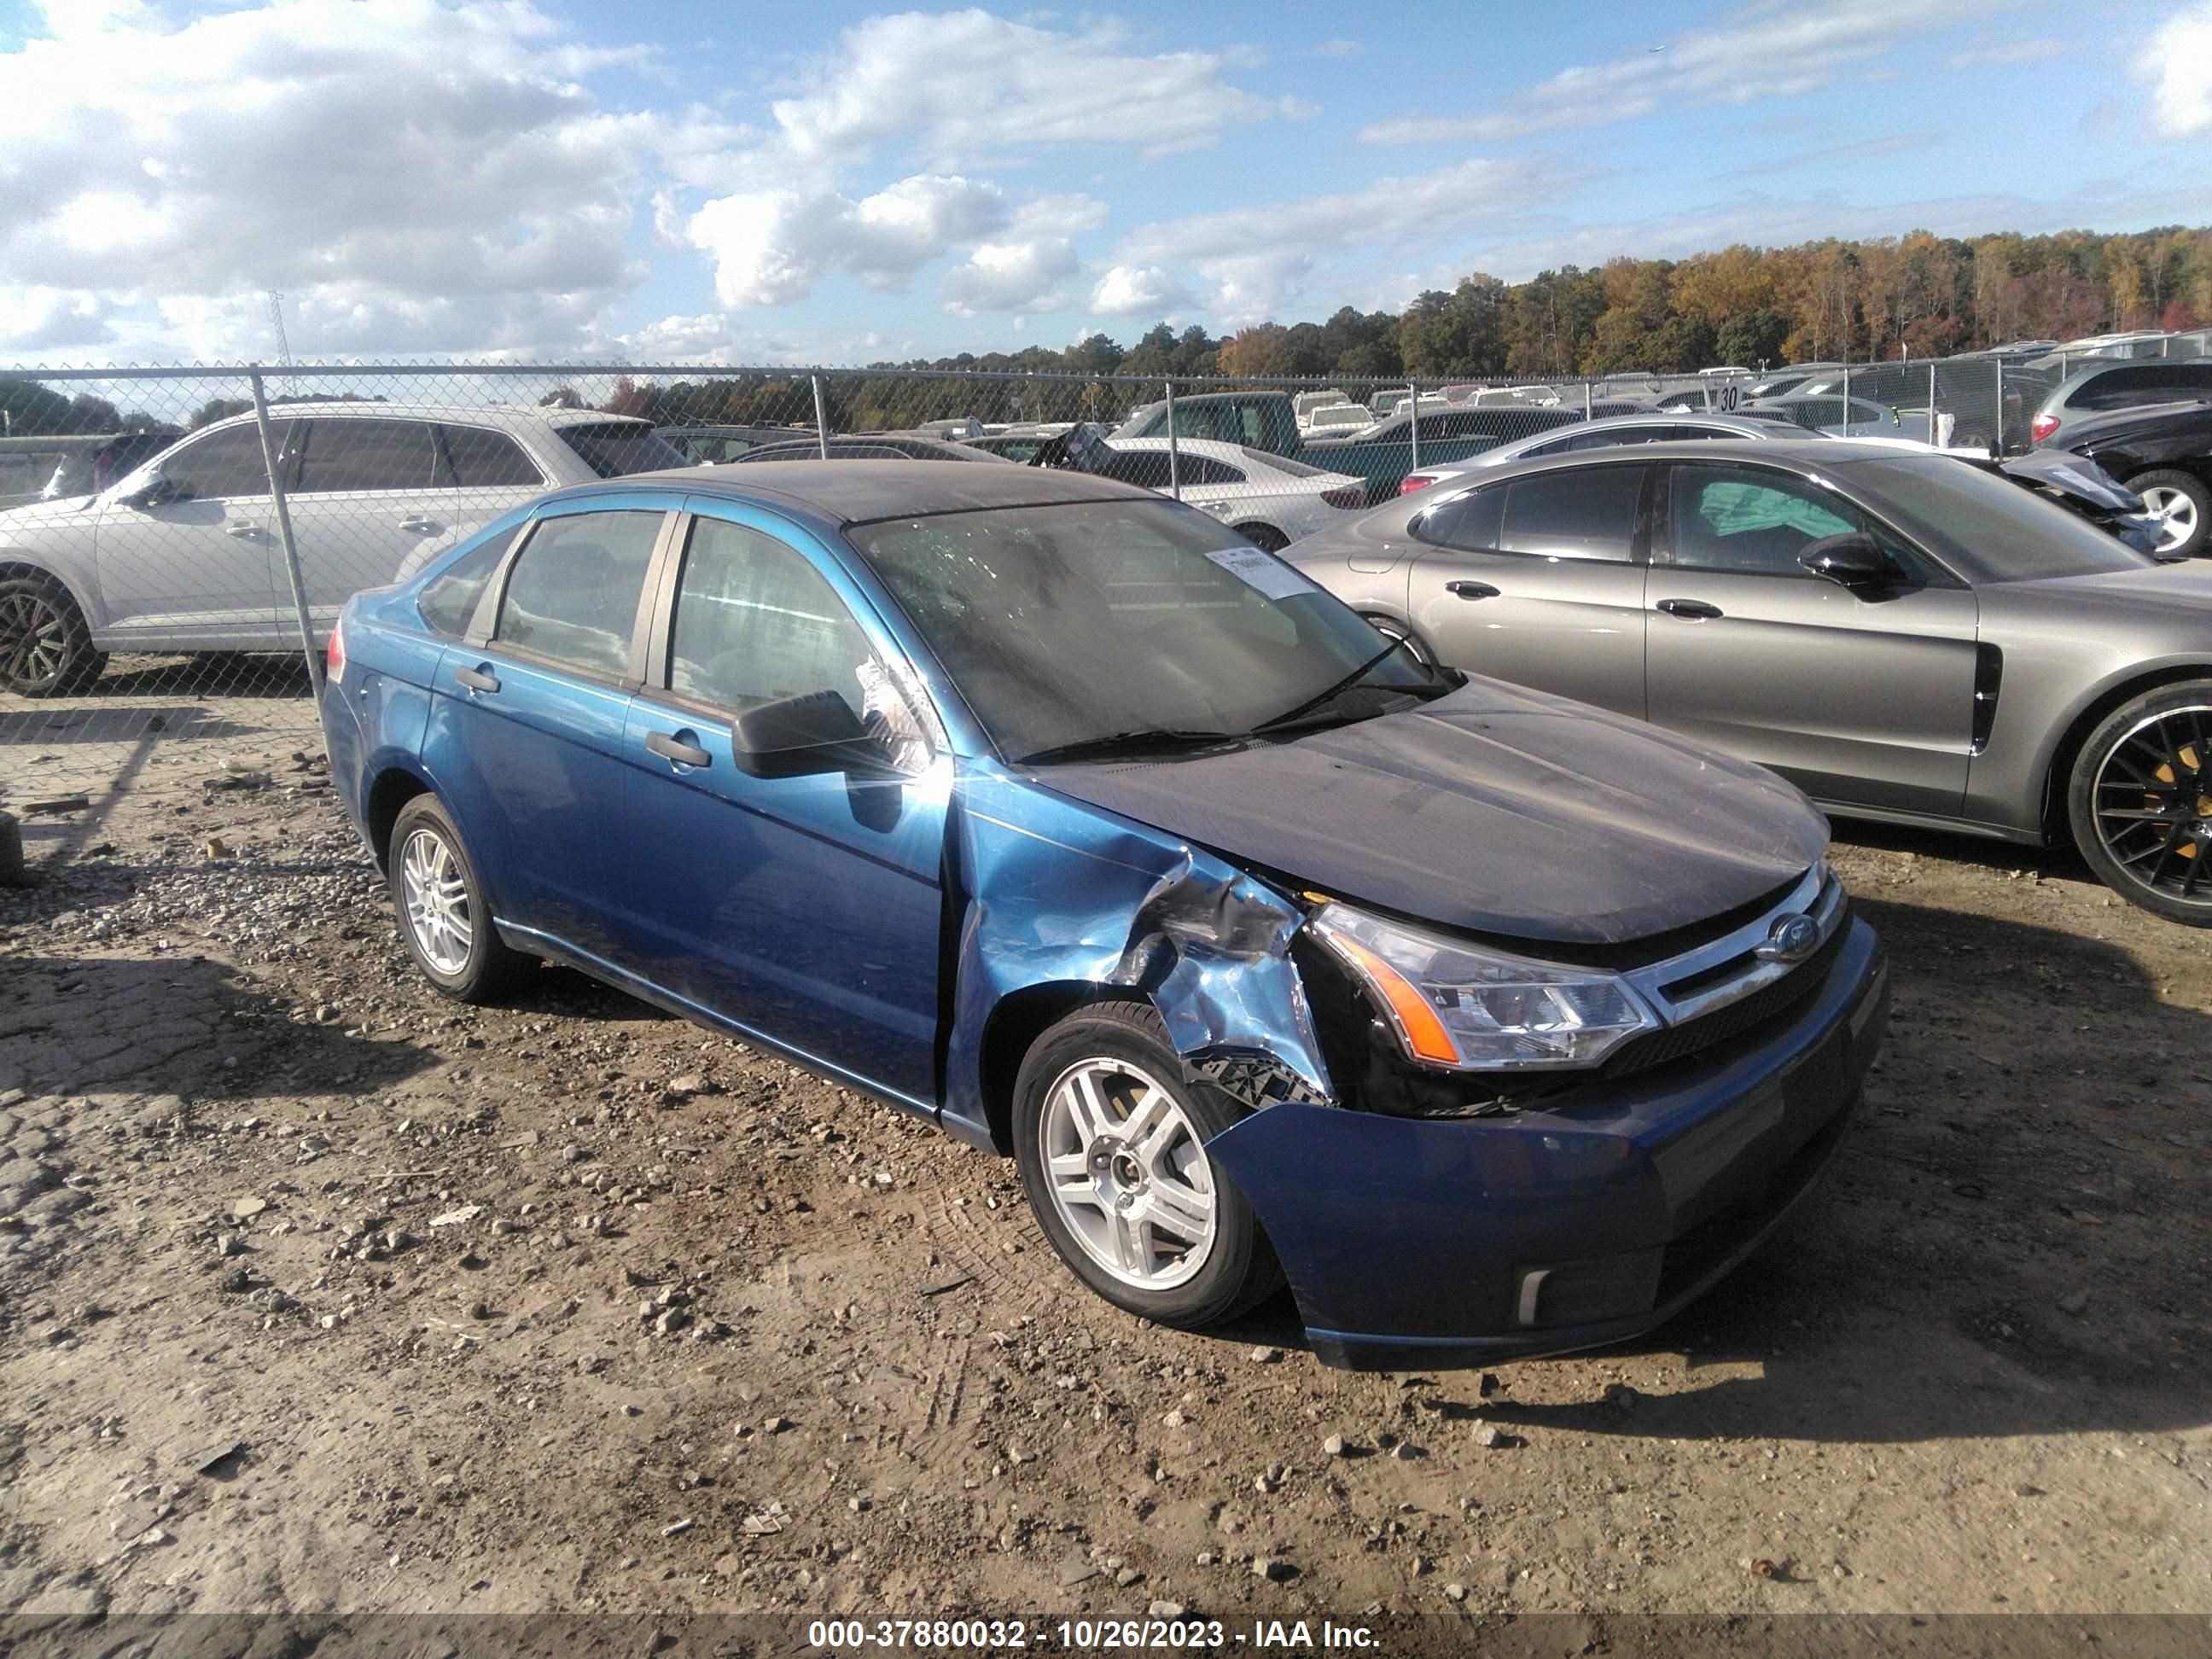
1810, 451
862, 492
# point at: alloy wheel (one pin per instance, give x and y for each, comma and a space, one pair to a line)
2152, 804
437, 901
1127, 1173
35, 642
2176, 513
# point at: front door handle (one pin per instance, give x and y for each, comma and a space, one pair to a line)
246, 533
476, 679
419, 524
1471, 590
672, 746
1690, 609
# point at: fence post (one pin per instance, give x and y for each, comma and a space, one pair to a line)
1998, 441
1175, 454
1932, 438
1414, 421
821, 422
284, 537
1586, 400
1847, 392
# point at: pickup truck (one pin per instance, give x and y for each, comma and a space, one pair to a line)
1380, 456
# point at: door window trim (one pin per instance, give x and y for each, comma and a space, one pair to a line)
482, 635
439, 429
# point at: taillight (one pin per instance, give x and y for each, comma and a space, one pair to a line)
334, 654
1413, 481
2042, 427
1346, 495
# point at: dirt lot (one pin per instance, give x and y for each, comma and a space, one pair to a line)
318, 1293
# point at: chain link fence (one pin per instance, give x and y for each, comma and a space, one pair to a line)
175, 543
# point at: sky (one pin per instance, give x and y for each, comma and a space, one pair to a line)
784, 182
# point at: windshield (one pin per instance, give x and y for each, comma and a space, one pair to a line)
1075, 623
622, 447
1988, 527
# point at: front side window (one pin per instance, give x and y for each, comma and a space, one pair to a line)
755, 622
339, 455
1589, 512
1078, 623
1752, 521
224, 463
573, 596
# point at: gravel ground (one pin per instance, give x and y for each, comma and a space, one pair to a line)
318, 1292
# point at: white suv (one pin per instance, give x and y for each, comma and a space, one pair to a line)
183, 554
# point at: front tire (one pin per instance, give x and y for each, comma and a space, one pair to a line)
46, 645
2139, 802
2183, 505
444, 915
1110, 1141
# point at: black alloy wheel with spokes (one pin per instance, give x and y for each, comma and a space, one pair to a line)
2140, 801
46, 649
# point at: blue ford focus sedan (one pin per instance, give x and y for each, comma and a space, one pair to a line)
1042, 807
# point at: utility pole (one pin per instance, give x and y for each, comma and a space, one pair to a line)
284, 346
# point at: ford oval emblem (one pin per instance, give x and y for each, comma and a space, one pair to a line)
1791, 939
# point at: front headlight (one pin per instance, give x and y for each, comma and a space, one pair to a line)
1457, 1005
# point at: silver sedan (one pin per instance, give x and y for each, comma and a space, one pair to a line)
1906, 638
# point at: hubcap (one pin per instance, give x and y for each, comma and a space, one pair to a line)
2175, 512
2154, 804
34, 640
437, 901
1127, 1175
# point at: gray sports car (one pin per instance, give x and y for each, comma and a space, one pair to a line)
1905, 637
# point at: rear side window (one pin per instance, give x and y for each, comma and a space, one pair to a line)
2148, 383
574, 595
340, 456
488, 461
1586, 513
619, 448
755, 622
1472, 523
448, 600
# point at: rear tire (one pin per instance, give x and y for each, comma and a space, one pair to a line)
45, 646
1110, 1142
2183, 502
2139, 802
444, 915
1265, 537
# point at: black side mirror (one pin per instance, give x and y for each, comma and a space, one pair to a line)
793, 737
1851, 560
155, 491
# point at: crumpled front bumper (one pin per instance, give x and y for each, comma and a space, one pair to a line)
1415, 1241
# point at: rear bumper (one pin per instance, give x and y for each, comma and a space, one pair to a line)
1426, 1241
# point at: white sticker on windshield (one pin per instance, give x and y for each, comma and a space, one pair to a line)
1262, 571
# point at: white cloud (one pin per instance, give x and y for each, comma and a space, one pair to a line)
953, 87
51, 318
1257, 257
1023, 270
1761, 51
770, 247
388, 164
2177, 62
1138, 291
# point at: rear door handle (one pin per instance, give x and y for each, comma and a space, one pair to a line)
248, 532
672, 746
419, 524
1693, 610
1471, 590
476, 680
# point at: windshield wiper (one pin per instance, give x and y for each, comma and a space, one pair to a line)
1341, 686
1134, 742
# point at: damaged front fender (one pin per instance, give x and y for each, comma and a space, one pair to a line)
1048, 892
